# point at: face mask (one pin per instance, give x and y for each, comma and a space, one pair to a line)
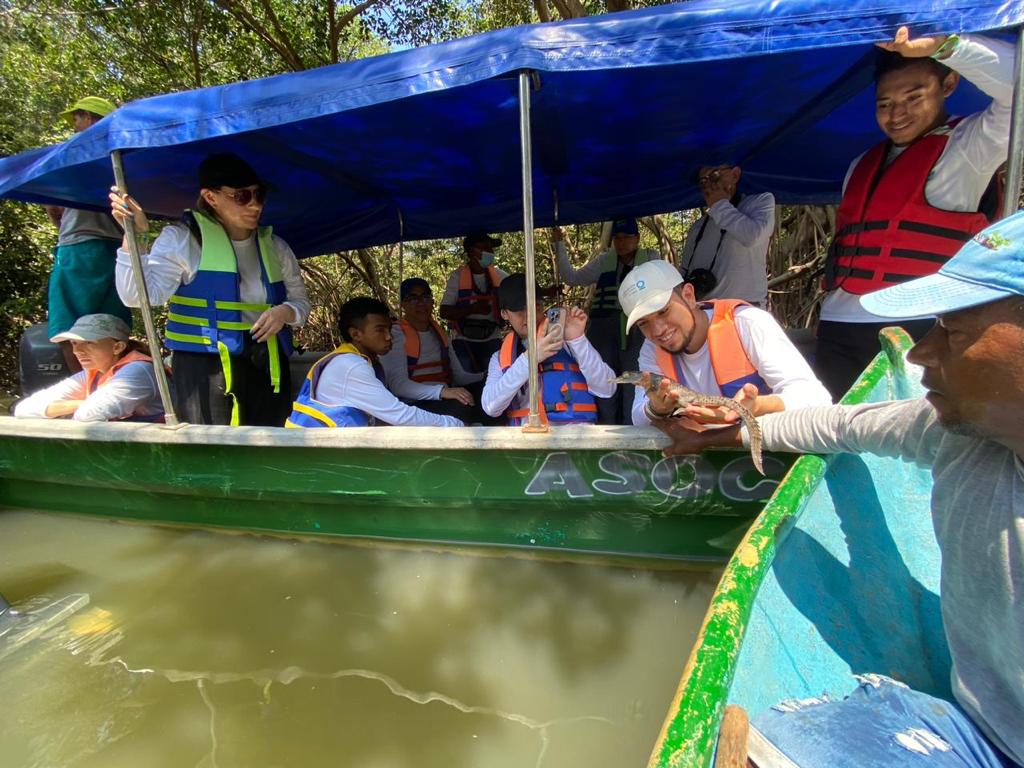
486, 259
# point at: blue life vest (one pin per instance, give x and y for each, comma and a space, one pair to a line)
206, 314
308, 412
563, 389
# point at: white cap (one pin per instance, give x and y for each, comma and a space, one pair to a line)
95, 327
647, 289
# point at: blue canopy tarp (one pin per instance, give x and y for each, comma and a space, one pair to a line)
627, 107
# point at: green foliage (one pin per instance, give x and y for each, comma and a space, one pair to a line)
52, 52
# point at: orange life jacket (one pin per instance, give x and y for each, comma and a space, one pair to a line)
95, 379
729, 360
468, 294
886, 231
412, 355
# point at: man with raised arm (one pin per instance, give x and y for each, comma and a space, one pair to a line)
912, 200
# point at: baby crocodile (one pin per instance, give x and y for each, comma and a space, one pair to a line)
687, 397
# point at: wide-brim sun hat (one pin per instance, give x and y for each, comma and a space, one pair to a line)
989, 267
95, 104
647, 289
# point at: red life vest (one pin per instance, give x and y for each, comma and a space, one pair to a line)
886, 231
442, 368
729, 360
468, 294
563, 388
95, 379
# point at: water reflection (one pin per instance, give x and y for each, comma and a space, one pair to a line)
217, 650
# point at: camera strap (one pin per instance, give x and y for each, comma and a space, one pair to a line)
700, 235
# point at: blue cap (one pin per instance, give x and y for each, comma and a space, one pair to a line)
624, 227
988, 268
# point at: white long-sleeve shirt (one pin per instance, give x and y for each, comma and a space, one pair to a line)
396, 369
739, 235
590, 271
350, 380
977, 506
771, 352
976, 148
511, 388
131, 391
174, 260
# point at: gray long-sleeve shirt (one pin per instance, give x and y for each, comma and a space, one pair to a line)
978, 514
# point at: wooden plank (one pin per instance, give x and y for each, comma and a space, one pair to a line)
732, 738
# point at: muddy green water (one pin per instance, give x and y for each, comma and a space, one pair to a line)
213, 650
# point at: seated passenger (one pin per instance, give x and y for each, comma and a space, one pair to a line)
346, 387
572, 373
724, 347
117, 381
419, 369
470, 304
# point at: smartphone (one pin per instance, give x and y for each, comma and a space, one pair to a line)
555, 315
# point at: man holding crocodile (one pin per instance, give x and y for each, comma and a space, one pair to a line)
720, 348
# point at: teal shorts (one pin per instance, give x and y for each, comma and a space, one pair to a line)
82, 283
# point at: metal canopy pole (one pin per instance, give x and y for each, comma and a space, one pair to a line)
401, 248
533, 423
144, 305
1015, 161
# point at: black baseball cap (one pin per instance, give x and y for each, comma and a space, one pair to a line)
226, 170
512, 293
473, 238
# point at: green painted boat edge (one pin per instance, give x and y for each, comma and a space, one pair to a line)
690, 731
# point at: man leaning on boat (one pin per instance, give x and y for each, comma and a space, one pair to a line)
969, 430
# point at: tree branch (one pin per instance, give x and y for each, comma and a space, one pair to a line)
543, 12
250, 22
346, 18
282, 35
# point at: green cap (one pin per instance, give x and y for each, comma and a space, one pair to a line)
94, 104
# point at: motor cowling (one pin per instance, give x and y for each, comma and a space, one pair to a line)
40, 361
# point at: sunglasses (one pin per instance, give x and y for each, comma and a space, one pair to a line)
245, 196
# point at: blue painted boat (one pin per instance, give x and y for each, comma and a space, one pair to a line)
839, 576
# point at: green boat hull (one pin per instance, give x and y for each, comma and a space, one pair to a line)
580, 489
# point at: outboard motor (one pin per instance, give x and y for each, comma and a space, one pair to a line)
40, 361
